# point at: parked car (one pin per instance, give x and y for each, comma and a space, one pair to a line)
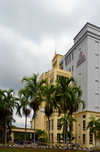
20, 142
75, 145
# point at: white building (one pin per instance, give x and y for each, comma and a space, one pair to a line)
83, 60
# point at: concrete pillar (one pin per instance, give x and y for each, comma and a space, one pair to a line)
12, 136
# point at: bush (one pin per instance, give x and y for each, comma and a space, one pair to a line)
42, 143
96, 149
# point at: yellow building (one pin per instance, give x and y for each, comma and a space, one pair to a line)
41, 120
80, 131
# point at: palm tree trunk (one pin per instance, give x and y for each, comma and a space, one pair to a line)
34, 130
6, 131
71, 130
64, 130
48, 133
95, 139
66, 138
25, 129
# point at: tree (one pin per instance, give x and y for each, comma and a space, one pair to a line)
61, 96
33, 85
68, 119
94, 126
42, 135
8, 103
74, 97
2, 120
24, 96
48, 93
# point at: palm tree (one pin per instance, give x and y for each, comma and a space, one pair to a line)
75, 102
62, 96
48, 93
33, 85
24, 95
67, 119
94, 126
42, 135
7, 106
2, 122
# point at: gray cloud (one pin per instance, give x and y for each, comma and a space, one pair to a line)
30, 31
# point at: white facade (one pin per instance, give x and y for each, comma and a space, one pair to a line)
83, 60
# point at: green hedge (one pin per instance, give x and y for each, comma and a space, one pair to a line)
96, 149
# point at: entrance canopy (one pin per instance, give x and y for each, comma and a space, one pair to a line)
20, 130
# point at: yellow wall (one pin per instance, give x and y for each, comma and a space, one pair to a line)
78, 131
78, 128
51, 77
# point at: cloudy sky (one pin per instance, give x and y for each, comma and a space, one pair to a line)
31, 30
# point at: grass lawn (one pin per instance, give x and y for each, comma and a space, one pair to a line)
9, 149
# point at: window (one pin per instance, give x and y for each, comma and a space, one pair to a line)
91, 139
72, 67
69, 58
84, 125
51, 81
72, 55
52, 124
84, 116
96, 47
83, 138
69, 70
58, 137
49, 124
52, 138
66, 62
61, 65
58, 125
58, 77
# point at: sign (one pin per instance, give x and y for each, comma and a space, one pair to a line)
81, 59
